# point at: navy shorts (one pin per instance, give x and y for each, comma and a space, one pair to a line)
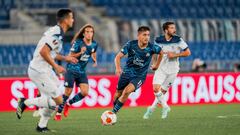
71, 77
126, 78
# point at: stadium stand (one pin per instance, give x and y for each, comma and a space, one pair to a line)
211, 28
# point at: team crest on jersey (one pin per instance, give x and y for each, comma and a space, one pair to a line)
92, 50
148, 54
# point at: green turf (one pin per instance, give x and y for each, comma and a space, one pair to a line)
182, 120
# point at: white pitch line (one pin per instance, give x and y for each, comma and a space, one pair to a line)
226, 116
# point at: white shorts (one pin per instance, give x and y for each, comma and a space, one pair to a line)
47, 83
164, 79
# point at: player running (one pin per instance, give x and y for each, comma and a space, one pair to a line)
40, 70
140, 53
173, 47
83, 48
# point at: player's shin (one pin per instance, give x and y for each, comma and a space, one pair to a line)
60, 107
44, 102
154, 104
160, 97
117, 106
76, 98
45, 116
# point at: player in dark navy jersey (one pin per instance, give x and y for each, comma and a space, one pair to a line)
140, 53
83, 48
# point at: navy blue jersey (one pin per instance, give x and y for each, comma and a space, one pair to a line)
83, 59
138, 59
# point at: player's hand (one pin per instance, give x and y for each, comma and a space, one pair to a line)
94, 64
171, 55
83, 50
60, 69
154, 67
118, 71
71, 59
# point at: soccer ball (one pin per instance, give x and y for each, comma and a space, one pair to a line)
108, 118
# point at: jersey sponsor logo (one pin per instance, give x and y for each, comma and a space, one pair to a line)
93, 50
84, 57
138, 62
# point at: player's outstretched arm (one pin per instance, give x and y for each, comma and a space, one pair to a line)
45, 53
117, 61
184, 53
94, 57
158, 61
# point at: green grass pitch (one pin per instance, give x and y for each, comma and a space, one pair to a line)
220, 119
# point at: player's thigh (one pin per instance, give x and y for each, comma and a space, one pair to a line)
123, 81
168, 81
69, 79
129, 89
159, 77
137, 82
43, 82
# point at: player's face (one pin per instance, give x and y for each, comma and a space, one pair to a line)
171, 30
88, 33
144, 37
69, 20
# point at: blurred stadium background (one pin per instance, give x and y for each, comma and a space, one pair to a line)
210, 27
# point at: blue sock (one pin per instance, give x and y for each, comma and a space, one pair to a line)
115, 101
117, 106
60, 107
76, 98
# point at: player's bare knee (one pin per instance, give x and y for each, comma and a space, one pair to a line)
156, 88
58, 101
68, 91
84, 92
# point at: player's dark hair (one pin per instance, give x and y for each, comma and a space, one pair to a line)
166, 24
143, 29
80, 33
62, 14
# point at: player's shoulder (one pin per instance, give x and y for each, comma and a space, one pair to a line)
161, 39
94, 43
132, 42
55, 30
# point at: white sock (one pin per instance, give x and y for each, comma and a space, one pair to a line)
44, 102
45, 116
160, 98
154, 104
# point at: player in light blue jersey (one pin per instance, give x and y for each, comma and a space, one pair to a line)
173, 47
140, 53
84, 48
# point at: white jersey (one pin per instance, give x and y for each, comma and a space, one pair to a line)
176, 44
53, 38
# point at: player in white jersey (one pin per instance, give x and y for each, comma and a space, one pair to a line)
41, 67
173, 47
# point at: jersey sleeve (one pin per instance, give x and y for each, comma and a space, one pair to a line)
156, 49
95, 48
75, 47
183, 44
125, 48
52, 42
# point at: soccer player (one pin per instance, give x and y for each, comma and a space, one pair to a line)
83, 48
40, 70
140, 53
173, 47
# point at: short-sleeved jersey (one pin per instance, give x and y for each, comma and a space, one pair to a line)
176, 44
138, 59
53, 38
80, 67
